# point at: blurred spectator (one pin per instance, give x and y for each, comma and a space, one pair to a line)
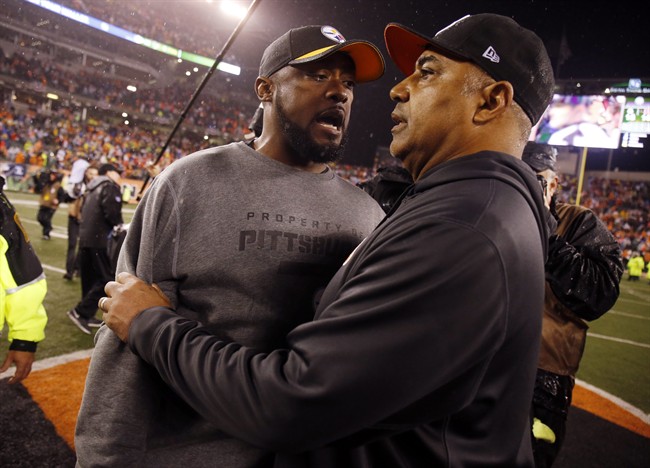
635, 266
75, 199
101, 211
47, 184
16, 175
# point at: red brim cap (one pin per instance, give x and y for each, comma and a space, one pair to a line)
368, 61
497, 44
405, 46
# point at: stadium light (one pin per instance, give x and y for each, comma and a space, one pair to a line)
137, 38
124, 114
132, 88
234, 9
52, 96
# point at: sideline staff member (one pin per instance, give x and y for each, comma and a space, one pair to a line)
411, 338
583, 271
22, 290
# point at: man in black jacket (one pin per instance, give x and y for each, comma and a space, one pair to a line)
101, 211
583, 272
424, 347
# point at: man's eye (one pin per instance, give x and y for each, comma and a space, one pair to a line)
426, 72
318, 76
350, 84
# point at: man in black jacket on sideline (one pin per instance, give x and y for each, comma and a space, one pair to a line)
424, 346
583, 272
101, 211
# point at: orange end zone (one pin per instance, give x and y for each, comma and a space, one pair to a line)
587, 400
58, 391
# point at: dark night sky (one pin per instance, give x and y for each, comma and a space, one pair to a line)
607, 41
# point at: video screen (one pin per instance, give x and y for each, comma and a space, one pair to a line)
635, 125
582, 121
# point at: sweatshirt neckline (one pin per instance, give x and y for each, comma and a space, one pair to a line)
272, 164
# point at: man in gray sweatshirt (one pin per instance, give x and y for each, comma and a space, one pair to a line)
258, 228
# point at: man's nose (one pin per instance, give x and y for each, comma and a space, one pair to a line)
338, 91
400, 92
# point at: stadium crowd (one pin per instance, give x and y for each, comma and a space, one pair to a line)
55, 138
163, 104
55, 141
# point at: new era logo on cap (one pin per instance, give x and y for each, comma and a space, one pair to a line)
491, 55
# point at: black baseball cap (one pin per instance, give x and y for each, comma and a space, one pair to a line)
105, 168
495, 43
310, 43
540, 156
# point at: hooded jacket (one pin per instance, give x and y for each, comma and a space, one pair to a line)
101, 210
424, 347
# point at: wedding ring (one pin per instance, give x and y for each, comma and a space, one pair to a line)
101, 303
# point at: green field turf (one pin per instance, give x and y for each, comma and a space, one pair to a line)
616, 359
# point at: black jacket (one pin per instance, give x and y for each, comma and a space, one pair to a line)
424, 348
100, 211
584, 265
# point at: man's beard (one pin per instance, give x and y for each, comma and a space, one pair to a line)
302, 143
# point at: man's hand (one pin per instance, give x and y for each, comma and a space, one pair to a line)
23, 361
127, 297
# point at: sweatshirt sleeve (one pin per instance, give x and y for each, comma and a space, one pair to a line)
150, 247
376, 352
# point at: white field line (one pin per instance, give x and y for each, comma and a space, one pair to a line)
57, 231
52, 268
61, 206
625, 314
645, 297
63, 359
618, 340
622, 299
617, 401
51, 362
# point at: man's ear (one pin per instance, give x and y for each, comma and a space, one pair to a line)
553, 185
496, 98
264, 88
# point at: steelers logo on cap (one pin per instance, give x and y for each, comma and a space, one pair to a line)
332, 34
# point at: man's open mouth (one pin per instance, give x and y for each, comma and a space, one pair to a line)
332, 118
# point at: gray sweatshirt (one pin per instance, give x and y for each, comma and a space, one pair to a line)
241, 243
